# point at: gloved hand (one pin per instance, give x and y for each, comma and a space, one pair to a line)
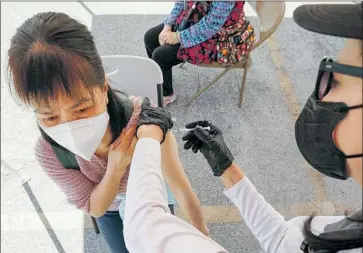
211, 144
154, 116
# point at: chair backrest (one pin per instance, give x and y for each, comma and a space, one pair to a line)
270, 14
135, 75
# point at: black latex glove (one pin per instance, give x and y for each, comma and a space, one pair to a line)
154, 116
211, 144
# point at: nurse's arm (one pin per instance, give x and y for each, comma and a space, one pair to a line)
148, 224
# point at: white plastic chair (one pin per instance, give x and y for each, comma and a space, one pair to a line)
138, 76
135, 75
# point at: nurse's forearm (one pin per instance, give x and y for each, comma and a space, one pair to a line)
232, 176
146, 196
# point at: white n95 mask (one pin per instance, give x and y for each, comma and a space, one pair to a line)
82, 137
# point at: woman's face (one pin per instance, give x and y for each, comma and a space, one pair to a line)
65, 109
348, 133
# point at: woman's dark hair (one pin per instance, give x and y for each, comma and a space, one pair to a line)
52, 54
329, 243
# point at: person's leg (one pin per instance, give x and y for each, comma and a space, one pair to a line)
151, 39
111, 227
166, 57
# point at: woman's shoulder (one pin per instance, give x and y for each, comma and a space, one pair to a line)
136, 103
43, 147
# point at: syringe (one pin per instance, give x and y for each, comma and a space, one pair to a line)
180, 130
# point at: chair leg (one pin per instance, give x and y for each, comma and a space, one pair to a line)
196, 95
242, 86
95, 226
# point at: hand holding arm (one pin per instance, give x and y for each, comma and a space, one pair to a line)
148, 224
119, 158
154, 116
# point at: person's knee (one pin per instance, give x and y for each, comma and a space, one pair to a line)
149, 36
159, 55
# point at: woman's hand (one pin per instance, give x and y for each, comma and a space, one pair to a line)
172, 38
119, 158
162, 34
121, 151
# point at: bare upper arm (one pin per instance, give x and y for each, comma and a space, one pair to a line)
172, 168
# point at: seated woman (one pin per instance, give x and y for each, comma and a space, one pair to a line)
57, 71
194, 41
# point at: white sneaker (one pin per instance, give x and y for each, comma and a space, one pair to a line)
169, 99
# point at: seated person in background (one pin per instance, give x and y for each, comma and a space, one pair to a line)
189, 34
56, 70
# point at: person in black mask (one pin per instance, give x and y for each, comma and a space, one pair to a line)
329, 136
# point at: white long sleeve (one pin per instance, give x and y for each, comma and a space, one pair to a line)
269, 227
148, 224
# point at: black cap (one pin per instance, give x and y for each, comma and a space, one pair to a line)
342, 20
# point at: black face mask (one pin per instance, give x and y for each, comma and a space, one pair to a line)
317, 121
